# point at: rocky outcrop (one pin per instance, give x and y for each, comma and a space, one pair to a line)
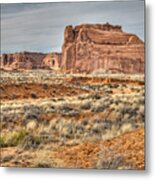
90, 48
30, 60
22, 60
52, 60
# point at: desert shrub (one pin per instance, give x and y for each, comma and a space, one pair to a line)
31, 141
45, 86
115, 85
24, 138
85, 122
99, 107
111, 162
13, 96
108, 91
67, 131
108, 158
26, 87
17, 85
2, 88
96, 96
47, 137
85, 105
6, 108
106, 125
6, 158
32, 112
74, 112
2, 141
42, 160
83, 97
13, 138
42, 164
126, 109
33, 95
50, 109
67, 109
79, 129
95, 130
9, 118
54, 91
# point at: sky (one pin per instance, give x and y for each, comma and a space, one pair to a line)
39, 27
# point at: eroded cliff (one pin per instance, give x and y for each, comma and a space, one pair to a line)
22, 60
89, 48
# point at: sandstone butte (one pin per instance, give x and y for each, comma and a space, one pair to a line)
22, 60
87, 48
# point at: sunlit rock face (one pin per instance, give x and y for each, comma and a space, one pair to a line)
22, 60
89, 48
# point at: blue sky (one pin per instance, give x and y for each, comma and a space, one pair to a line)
40, 26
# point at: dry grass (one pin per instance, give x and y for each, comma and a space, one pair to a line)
103, 112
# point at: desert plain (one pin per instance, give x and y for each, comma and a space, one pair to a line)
72, 121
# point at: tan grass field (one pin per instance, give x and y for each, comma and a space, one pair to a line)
72, 120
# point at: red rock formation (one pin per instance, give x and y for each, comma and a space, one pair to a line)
89, 48
22, 60
52, 60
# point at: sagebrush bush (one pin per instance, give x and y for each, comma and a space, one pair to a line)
98, 108
67, 109
85, 105
108, 158
32, 112
31, 141
42, 160
13, 138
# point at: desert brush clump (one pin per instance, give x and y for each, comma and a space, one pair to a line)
31, 112
22, 138
115, 162
86, 105
31, 141
42, 160
33, 95
98, 107
12, 138
108, 158
6, 158
68, 109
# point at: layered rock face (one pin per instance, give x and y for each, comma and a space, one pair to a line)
22, 60
90, 48
52, 60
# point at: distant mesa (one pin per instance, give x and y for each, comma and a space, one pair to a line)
22, 60
87, 48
